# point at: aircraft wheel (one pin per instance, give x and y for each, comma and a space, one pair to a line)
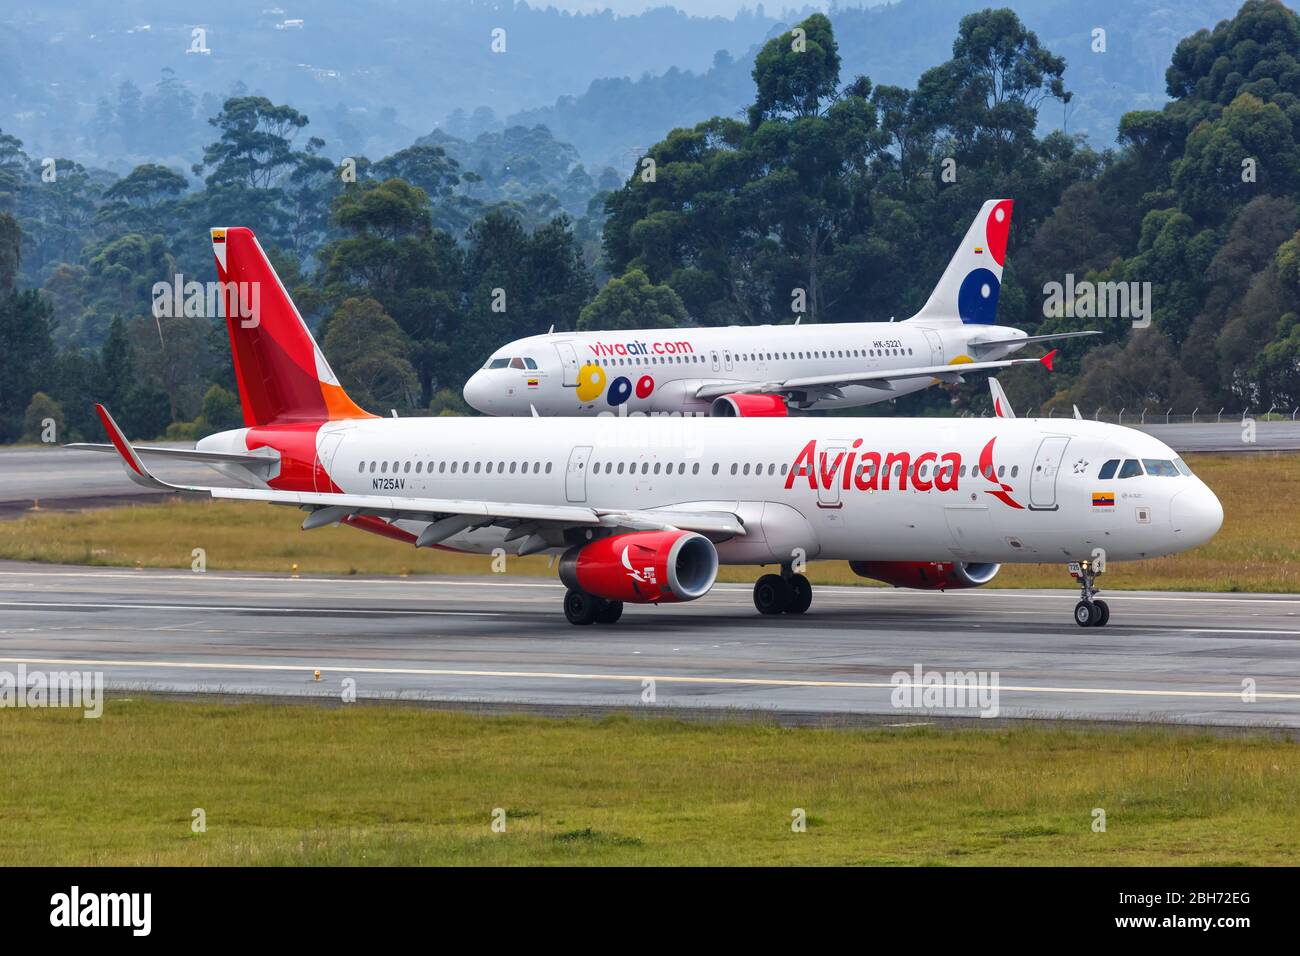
610, 612
800, 594
1084, 614
771, 594
1103, 615
580, 608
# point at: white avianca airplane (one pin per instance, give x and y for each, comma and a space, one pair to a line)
752, 371
645, 509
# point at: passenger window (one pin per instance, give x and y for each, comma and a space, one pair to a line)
1131, 469
1015, 470
383, 469
548, 467
361, 467
1108, 470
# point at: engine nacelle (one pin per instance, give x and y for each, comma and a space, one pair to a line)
643, 567
927, 575
741, 405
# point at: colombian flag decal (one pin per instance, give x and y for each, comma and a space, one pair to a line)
1103, 499
532, 383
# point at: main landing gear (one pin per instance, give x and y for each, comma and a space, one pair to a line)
1089, 612
583, 608
784, 593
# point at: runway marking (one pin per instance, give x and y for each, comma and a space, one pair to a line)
434, 612
238, 607
725, 588
637, 678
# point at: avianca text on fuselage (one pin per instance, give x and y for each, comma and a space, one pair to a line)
872, 470
606, 349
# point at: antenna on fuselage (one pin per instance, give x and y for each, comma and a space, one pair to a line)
533, 408
394, 411
1077, 416
551, 330
798, 319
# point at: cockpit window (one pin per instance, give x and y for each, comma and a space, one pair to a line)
529, 363
1131, 469
497, 363
1108, 470
1182, 466
1160, 468
516, 363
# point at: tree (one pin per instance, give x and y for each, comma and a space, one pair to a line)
256, 145
26, 346
631, 302
796, 76
368, 352
43, 414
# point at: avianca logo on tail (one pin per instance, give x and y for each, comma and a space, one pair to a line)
891, 471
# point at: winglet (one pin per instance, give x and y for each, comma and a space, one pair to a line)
1001, 407
136, 470
1047, 359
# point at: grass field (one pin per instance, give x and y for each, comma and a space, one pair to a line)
282, 784
1258, 548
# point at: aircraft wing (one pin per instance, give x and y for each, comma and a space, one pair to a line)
883, 380
1029, 339
449, 515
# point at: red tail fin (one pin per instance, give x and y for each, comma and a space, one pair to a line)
282, 375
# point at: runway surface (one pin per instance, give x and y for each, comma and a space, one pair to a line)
1179, 658
60, 478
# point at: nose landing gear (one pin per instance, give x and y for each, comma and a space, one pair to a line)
1089, 612
784, 593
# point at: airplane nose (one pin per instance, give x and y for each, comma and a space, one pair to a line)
475, 393
1196, 515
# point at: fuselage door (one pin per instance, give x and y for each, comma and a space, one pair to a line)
568, 363
325, 452
1047, 464
828, 469
575, 478
726, 356
936, 347
716, 364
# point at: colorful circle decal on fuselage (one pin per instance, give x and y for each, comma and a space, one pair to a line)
591, 382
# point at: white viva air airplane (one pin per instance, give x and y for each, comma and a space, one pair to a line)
753, 371
645, 509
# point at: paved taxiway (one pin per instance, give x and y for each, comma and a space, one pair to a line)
1178, 658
